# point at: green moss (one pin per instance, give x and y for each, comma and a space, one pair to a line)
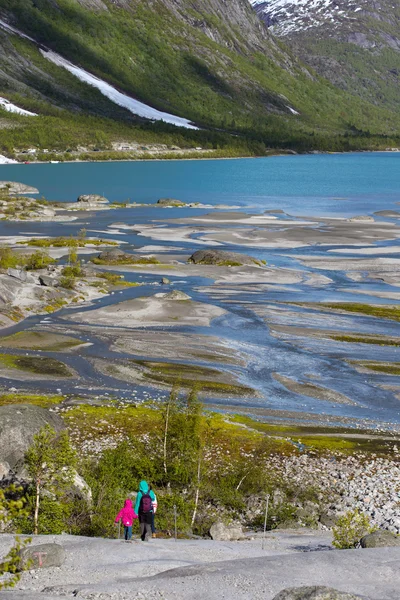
37, 340
35, 399
127, 260
186, 376
383, 311
66, 242
35, 364
114, 279
356, 339
54, 305
379, 367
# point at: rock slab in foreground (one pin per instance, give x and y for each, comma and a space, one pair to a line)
43, 556
225, 533
315, 592
14, 187
380, 539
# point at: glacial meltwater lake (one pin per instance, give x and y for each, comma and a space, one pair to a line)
328, 227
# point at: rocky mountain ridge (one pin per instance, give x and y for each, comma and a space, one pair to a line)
354, 44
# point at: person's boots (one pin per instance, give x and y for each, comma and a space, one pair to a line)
154, 535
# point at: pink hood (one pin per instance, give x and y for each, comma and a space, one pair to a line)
127, 514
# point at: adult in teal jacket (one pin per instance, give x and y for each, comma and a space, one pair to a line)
144, 517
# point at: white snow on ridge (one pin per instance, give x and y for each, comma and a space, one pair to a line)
7, 161
9, 107
288, 16
134, 106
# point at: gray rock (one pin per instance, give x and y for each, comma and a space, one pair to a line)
48, 281
170, 202
43, 556
112, 255
224, 533
19, 274
17, 188
165, 281
222, 258
18, 424
328, 520
315, 592
379, 539
176, 295
92, 199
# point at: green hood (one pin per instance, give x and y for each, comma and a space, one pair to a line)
144, 487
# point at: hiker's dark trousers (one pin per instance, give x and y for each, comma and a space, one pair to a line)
145, 525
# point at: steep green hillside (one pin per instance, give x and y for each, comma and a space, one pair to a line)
212, 63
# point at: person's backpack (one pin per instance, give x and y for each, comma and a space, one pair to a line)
146, 504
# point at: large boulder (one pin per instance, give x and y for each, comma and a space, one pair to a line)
223, 258
92, 199
380, 539
19, 274
113, 255
18, 424
42, 556
314, 592
170, 202
225, 533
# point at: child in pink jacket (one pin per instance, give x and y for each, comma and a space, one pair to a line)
127, 515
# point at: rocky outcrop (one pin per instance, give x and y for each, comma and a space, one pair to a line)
14, 187
176, 295
172, 202
42, 556
315, 592
224, 533
113, 255
92, 199
223, 258
18, 424
380, 539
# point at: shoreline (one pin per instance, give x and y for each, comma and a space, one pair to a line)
209, 158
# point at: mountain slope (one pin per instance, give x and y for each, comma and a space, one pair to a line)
353, 43
206, 61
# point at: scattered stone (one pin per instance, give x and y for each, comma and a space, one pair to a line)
43, 556
19, 274
48, 281
92, 199
328, 520
165, 281
223, 258
380, 539
15, 187
18, 424
225, 533
170, 202
315, 592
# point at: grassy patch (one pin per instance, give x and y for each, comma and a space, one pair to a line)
35, 399
204, 378
356, 339
127, 260
35, 364
116, 280
379, 367
66, 242
383, 311
37, 340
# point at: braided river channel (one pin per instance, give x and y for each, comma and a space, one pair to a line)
324, 230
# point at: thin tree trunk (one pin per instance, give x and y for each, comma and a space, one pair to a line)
196, 500
166, 435
37, 503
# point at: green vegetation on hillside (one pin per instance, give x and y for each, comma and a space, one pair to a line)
156, 54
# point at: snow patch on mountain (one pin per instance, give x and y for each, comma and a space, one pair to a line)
134, 106
9, 107
289, 16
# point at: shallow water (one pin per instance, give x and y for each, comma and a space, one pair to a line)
318, 186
